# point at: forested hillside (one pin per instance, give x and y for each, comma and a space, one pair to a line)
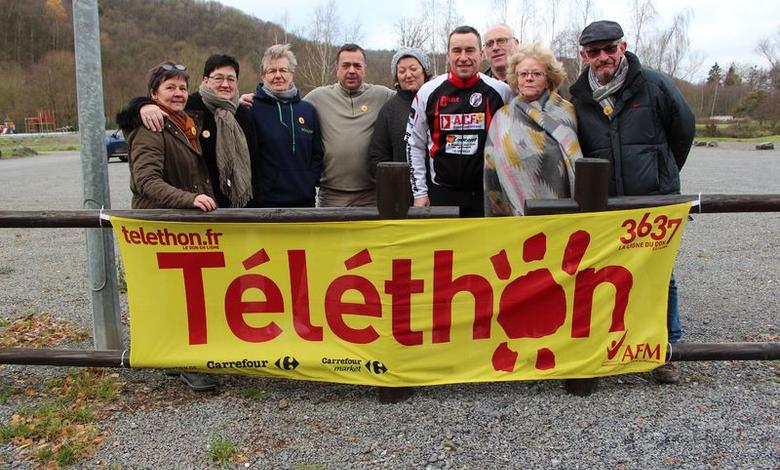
38, 72
37, 59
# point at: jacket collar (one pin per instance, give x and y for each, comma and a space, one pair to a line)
406, 95
581, 87
463, 83
352, 94
179, 134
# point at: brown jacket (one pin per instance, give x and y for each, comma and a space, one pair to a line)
165, 171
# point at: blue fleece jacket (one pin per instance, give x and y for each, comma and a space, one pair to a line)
288, 134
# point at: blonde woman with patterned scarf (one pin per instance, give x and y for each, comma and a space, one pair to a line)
532, 142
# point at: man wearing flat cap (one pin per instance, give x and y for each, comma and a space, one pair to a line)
637, 119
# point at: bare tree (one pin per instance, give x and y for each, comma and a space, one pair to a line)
500, 11
319, 52
430, 11
451, 20
441, 25
284, 21
643, 14
675, 43
582, 12
770, 48
526, 12
567, 43
354, 32
552, 18
694, 61
413, 32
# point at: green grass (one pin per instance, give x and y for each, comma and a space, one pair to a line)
221, 451
252, 393
42, 143
701, 378
62, 426
771, 138
5, 393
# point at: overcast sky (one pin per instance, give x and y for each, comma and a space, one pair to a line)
720, 30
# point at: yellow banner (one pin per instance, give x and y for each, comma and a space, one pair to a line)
404, 303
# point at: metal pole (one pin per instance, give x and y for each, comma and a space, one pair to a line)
94, 170
591, 186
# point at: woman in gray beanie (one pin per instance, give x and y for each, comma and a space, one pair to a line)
410, 68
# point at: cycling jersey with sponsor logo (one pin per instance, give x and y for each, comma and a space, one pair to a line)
448, 127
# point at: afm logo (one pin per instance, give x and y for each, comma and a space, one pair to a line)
618, 352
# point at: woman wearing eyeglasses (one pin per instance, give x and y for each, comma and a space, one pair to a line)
288, 133
532, 142
225, 132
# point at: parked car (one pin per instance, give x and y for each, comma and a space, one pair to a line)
116, 146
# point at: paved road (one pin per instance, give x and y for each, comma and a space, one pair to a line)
53, 181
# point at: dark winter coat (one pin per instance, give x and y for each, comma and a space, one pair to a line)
288, 135
388, 143
165, 171
207, 137
649, 137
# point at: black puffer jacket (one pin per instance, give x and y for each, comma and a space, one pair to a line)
647, 141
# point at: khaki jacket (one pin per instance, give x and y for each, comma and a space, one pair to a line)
165, 171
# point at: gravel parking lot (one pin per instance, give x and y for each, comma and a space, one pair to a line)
723, 414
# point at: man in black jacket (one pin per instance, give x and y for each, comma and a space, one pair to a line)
637, 119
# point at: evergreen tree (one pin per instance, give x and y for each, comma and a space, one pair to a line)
732, 76
714, 75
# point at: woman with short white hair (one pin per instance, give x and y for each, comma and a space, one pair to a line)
288, 133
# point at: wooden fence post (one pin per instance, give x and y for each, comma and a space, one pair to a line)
591, 187
393, 197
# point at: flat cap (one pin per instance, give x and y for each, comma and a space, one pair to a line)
601, 31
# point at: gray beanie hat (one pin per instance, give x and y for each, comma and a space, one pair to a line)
421, 57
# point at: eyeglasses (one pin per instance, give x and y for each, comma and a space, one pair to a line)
500, 42
221, 79
273, 72
169, 67
594, 52
536, 74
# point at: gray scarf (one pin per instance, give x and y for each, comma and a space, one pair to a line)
233, 164
603, 93
286, 95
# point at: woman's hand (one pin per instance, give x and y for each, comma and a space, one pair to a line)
204, 203
152, 117
247, 99
422, 201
